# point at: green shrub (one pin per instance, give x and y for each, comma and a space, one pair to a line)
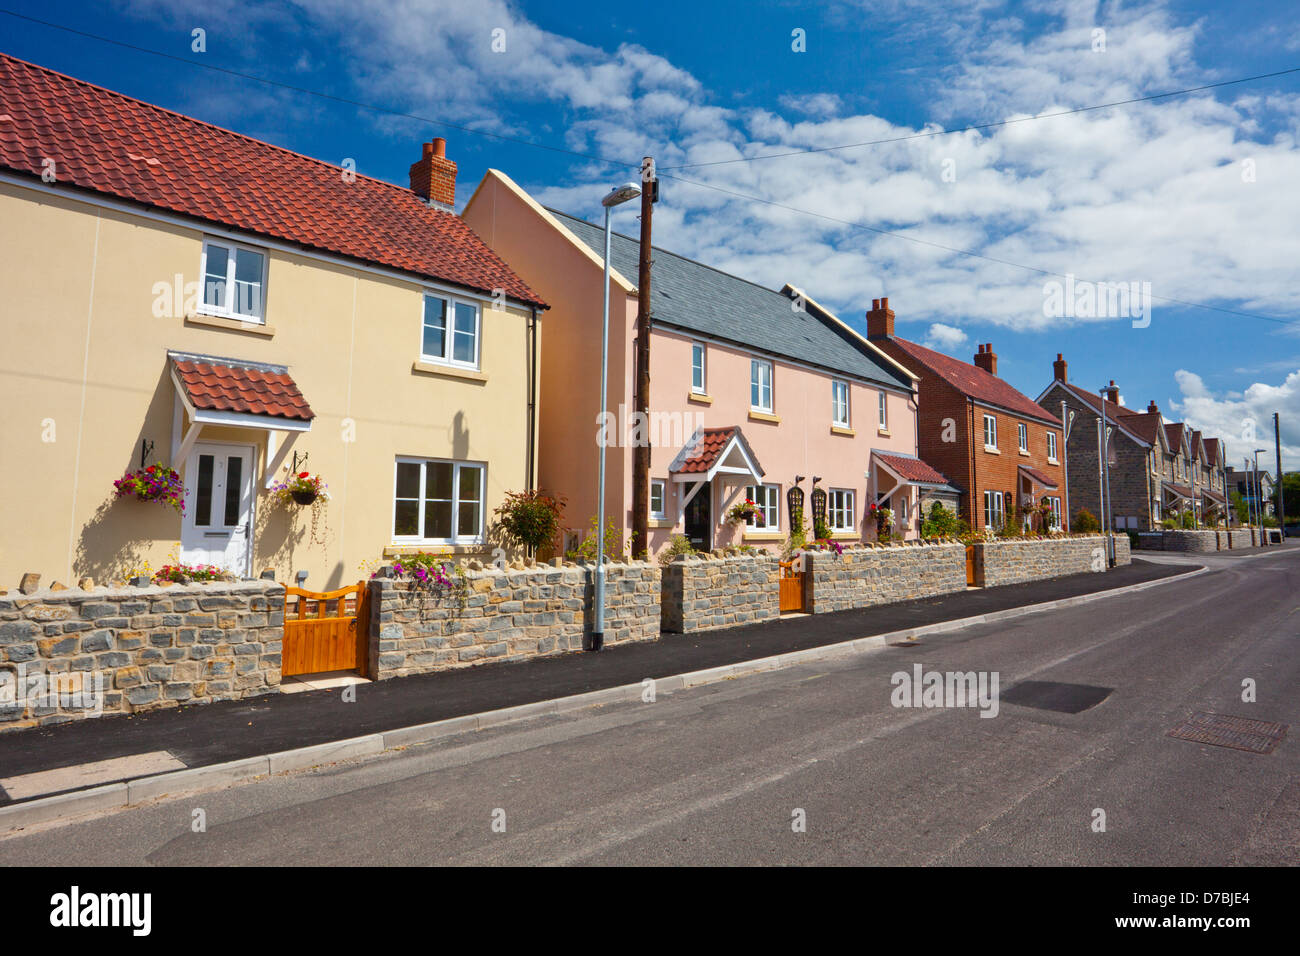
942, 523
1085, 520
586, 549
680, 544
528, 519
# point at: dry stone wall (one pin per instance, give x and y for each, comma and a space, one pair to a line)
866, 576
705, 593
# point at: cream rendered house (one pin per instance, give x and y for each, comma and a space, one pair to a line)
176, 293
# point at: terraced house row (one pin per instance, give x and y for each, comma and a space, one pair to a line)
233, 315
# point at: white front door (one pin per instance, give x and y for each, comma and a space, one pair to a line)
218, 523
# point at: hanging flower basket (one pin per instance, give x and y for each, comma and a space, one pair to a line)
303, 488
744, 511
153, 483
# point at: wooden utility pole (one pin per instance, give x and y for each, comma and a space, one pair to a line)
641, 394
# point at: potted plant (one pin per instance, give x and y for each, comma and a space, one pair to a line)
153, 483
743, 511
883, 517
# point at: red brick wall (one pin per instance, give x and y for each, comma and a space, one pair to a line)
977, 471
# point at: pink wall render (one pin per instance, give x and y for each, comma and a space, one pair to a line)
567, 273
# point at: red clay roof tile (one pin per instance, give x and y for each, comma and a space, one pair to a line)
110, 143
974, 381
235, 388
913, 469
706, 451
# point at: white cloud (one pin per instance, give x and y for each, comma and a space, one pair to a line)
1244, 420
945, 338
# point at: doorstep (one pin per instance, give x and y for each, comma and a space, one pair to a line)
327, 680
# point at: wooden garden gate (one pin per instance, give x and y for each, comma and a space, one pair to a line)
325, 630
793, 583
971, 575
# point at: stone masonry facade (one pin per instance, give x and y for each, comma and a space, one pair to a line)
865, 577
71, 654
701, 594
495, 615
1014, 562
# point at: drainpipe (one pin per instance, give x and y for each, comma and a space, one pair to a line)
532, 396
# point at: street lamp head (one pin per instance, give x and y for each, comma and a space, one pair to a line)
621, 194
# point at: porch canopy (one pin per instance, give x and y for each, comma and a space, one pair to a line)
233, 393
1214, 497
712, 452
892, 472
1175, 492
1038, 481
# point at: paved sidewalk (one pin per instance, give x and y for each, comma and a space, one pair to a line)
214, 733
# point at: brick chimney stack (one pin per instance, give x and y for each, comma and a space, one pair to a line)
880, 320
1058, 369
1112, 392
987, 359
1153, 408
434, 177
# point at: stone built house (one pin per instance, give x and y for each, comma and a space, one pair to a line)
1156, 467
999, 448
1243, 482
754, 392
184, 295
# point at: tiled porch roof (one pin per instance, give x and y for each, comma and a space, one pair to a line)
1181, 491
1047, 481
708, 449
913, 469
1214, 496
228, 385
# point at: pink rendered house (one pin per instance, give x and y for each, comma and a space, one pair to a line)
754, 392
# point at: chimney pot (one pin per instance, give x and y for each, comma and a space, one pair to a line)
1059, 368
987, 359
433, 178
880, 320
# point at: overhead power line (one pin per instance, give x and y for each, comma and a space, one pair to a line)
992, 125
954, 249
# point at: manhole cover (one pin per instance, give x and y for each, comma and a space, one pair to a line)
1239, 733
1053, 695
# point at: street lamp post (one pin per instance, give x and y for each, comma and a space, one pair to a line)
616, 196
1259, 496
1105, 467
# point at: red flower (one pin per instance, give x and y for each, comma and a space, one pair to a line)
303, 474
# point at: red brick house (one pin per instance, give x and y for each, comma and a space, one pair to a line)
1000, 448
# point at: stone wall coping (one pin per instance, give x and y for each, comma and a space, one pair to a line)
101, 593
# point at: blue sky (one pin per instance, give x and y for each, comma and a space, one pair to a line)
1156, 192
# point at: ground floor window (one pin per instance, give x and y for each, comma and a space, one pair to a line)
439, 501
657, 499
840, 508
766, 497
993, 509
1055, 504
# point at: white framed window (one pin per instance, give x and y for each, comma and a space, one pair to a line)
1022, 436
883, 411
699, 384
839, 509
1056, 513
438, 501
658, 497
449, 331
993, 509
1051, 446
840, 403
760, 385
767, 498
990, 432
234, 280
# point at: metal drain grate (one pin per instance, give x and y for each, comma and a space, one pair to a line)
1238, 733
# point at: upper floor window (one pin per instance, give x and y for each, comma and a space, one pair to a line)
697, 368
883, 407
234, 278
840, 403
450, 332
766, 497
657, 499
760, 385
990, 432
1022, 436
438, 501
1051, 446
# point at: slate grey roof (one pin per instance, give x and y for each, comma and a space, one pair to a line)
697, 298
